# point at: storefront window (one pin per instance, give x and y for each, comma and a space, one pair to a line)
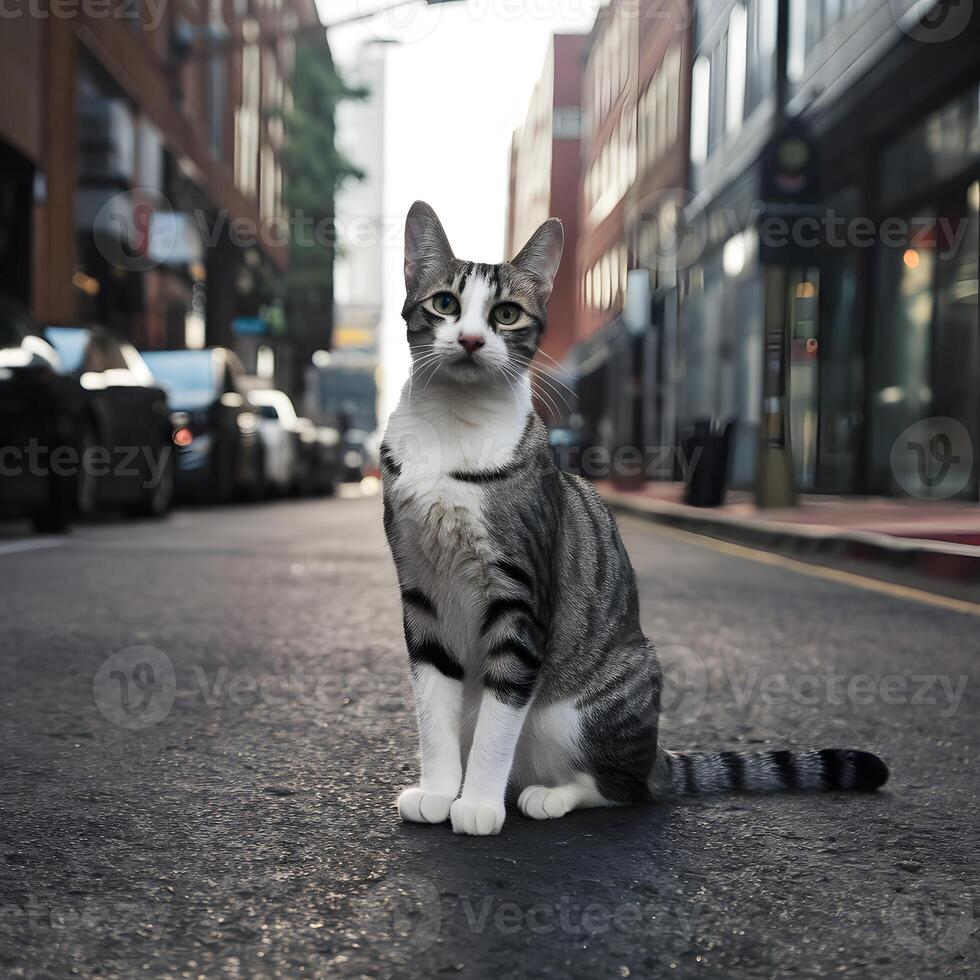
926, 338
938, 148
901, 390
841, 381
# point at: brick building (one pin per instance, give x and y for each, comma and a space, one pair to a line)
543, 183
635, 100
140, 154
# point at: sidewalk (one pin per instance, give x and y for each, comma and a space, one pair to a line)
936, 539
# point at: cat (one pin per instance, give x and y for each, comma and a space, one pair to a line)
519, 601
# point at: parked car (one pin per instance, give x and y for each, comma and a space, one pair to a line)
219, 450
300, 457
360, 455
319, 459
123, 431
279, 430
39, 412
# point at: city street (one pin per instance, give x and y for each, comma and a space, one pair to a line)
206, 721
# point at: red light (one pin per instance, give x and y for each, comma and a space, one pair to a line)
183, 436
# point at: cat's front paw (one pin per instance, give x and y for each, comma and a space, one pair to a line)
477, 817
422, 806
543, 803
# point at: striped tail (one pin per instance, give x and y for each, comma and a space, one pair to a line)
695, 773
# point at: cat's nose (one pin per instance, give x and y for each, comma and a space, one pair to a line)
471, 344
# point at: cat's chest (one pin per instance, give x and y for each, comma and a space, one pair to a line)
442, 517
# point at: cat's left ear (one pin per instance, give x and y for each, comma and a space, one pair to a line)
427, 248
540, 256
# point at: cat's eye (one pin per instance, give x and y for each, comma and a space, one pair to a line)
506, 314
445, 304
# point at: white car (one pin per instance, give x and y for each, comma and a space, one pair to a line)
279, 431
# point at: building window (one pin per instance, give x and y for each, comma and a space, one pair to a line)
658, 114
567, 123
247, 123
796, 51
735, 83
700, 109
217, 96
761, 44
716, 114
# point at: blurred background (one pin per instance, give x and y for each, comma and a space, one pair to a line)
770, 206
764, 330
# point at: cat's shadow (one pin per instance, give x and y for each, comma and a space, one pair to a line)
592, 876
536, 844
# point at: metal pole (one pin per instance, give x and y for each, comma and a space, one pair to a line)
775, 485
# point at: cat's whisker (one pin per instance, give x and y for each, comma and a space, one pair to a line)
512, 387
540, 380
542, 371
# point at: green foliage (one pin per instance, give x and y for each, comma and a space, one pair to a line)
314, 171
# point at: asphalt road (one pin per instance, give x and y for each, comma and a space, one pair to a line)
235, 818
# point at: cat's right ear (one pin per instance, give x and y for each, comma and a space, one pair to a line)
426, 245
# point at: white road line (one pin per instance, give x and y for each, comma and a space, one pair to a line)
31, 544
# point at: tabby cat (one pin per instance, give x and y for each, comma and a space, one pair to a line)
519, 601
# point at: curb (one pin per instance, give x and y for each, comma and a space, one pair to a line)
933, 559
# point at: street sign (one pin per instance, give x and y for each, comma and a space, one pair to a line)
249, 326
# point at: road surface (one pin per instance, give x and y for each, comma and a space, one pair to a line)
206, 721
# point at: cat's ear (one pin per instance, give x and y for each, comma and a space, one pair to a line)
540, 256
426, 245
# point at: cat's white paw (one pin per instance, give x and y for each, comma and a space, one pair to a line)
477, 817
544, 802
422, 806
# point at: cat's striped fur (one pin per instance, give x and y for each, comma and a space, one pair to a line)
520, 604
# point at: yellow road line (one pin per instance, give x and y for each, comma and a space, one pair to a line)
823, 572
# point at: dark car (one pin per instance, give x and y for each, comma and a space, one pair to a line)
40, 409
359, 455
123, 430
320, 458
219, 452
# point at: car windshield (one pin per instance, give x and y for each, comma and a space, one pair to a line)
71, 343
188, 376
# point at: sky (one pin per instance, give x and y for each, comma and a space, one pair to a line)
459, 82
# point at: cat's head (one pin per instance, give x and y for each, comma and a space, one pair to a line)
468, 321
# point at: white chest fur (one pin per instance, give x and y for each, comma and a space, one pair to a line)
444, 546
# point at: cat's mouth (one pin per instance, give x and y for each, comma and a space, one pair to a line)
466, 366
467, 362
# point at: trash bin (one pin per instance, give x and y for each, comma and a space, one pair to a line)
707, 455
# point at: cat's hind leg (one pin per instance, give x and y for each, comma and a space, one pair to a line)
548, 802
